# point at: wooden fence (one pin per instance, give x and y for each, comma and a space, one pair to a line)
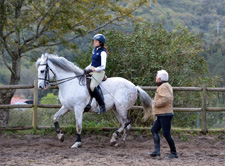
35, 106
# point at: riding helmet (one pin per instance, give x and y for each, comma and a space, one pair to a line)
100, 38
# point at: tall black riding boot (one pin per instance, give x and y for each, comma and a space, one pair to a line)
99, 98
156, 139
173, 152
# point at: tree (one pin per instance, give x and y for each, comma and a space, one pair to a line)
216, 60
28, 25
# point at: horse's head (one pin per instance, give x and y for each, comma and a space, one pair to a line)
44, 75
50, 65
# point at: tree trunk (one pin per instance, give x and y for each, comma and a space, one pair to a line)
5, 98
6, 95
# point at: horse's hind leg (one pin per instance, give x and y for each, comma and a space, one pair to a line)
62, 111
126, 129
125, 124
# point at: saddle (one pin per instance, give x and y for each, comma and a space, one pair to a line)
88, 82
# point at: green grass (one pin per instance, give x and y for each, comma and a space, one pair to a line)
184, 138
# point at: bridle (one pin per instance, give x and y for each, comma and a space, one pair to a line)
47, 80
47, 76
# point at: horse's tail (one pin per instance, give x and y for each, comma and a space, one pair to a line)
146, 102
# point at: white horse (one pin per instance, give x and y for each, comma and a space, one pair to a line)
119, 94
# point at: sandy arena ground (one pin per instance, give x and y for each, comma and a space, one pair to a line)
26, 150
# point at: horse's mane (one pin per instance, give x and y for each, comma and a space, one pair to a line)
62, 63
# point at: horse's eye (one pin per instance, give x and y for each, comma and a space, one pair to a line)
42, 71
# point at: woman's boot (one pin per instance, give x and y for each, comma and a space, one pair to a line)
99, 98
156, 139
173, 152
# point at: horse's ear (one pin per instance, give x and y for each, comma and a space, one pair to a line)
44, 57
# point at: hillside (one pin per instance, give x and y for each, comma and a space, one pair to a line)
204, 17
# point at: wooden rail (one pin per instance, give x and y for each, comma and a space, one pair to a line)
35, 104
16, 86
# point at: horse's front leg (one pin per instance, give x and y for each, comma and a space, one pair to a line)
79, 118
61, 112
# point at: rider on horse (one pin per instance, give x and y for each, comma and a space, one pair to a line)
97, 69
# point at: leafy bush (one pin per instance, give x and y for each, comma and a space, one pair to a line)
50, 99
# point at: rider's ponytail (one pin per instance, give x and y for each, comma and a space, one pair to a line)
102, 44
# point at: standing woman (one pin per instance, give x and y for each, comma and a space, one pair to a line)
163, 110
97, 69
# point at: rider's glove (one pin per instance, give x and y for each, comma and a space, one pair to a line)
87, 71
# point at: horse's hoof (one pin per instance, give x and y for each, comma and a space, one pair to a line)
124, 138
77, 145
117, 144
60, 137
113, 143
113, 140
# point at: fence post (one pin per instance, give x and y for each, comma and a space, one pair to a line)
35, 102
204, 129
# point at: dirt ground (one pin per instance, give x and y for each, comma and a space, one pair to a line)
24, 150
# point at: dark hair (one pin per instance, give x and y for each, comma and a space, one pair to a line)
102, 44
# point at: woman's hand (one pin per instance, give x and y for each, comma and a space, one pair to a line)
87, 71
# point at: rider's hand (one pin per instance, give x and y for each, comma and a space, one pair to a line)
87, 71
